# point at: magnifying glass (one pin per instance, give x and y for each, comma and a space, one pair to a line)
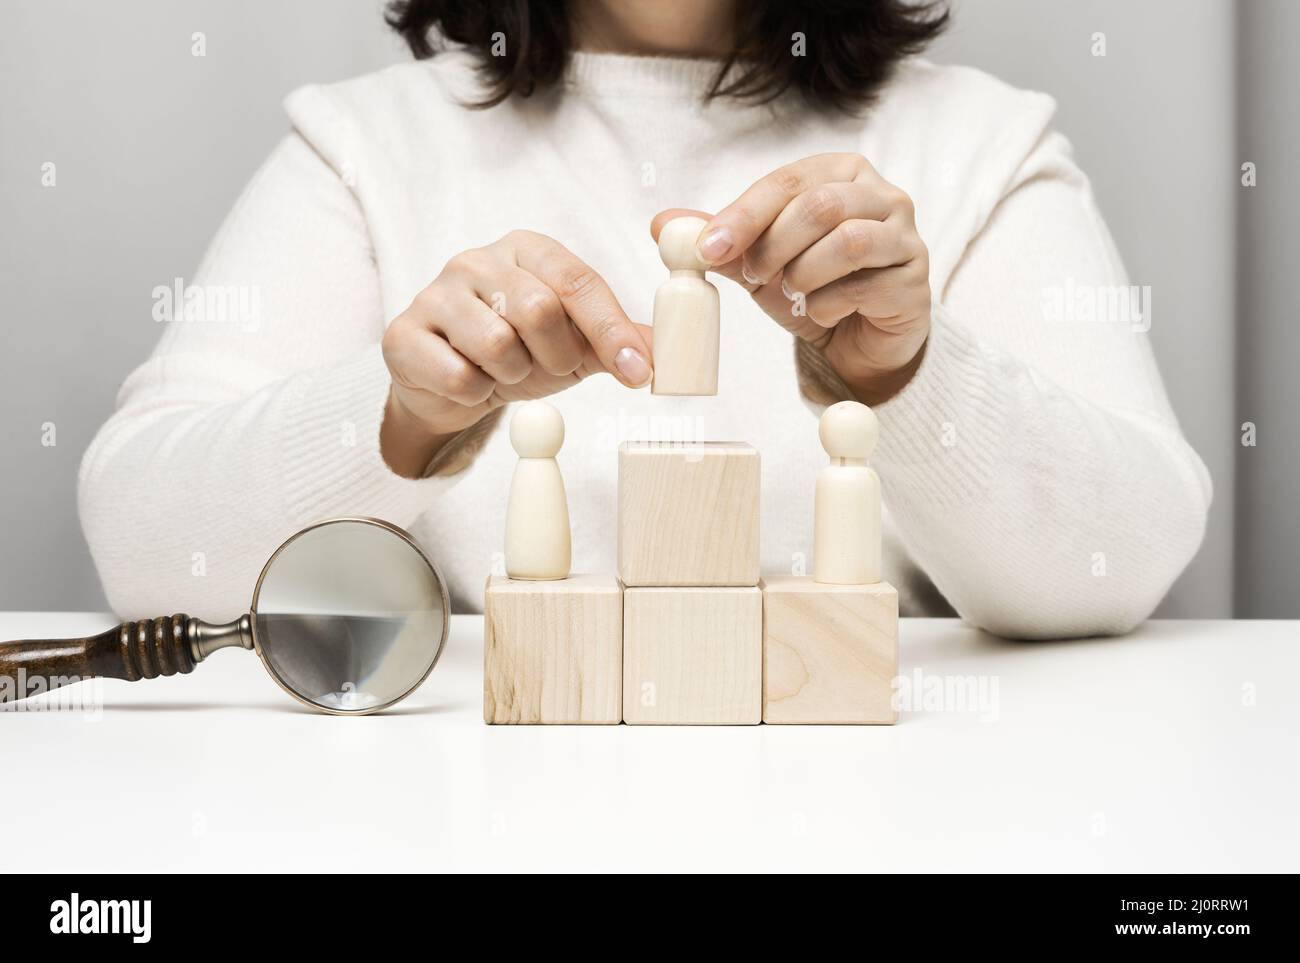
349, 616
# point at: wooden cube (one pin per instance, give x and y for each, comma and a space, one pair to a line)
553, 651
688, 513
830, 652
692, 656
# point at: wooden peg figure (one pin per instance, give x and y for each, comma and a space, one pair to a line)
537, 517
846, 526
685, 316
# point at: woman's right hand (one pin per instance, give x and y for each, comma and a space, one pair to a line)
519, 319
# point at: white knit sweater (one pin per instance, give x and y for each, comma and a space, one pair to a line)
1034, 475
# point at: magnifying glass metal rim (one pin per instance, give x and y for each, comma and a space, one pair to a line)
437, 576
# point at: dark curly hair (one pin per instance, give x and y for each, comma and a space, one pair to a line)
853, 45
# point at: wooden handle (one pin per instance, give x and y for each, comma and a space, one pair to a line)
131, 651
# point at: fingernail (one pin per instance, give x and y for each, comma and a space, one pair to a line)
749, 278
632, 367
715, 245
785, 289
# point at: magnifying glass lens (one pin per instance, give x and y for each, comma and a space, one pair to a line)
349, 616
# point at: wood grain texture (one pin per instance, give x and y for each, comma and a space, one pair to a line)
692, 656
830, 652
688, 513
553, 651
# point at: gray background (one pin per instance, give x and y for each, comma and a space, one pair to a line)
152, 145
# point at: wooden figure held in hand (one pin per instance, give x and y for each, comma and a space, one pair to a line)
685, 316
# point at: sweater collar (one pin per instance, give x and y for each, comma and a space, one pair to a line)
608, 74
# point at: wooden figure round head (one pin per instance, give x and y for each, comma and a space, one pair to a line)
677, 244
849, 430
536, 430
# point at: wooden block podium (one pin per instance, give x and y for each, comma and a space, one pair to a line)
686, 634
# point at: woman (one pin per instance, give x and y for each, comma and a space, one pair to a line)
440, 238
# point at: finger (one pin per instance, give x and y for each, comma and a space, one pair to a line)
737, 226
591, 305
423, 360
535, 313
541, 383
852, 246
485, 338
877, 293
527, 305
813, 215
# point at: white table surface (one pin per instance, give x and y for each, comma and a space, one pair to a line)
1174, 749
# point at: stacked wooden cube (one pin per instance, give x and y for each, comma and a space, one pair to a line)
688, 633
688, 558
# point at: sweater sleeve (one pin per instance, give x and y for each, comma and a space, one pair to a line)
259, 410
1034, 466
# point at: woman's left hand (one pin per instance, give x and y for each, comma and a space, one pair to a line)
829, 249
